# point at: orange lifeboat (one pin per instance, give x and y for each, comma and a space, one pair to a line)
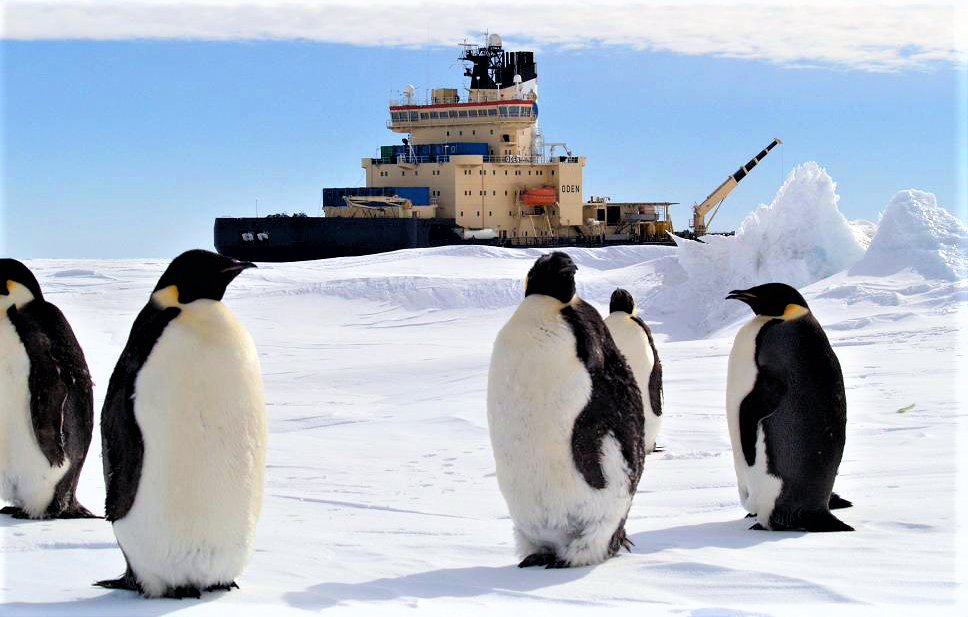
541, 196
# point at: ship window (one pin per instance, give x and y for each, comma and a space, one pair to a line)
525, 111
514, 110
489, 213
552, 172
413, 116
505, 172
433, 115
504, 110
454, 113
492, 131
442, 115
525, 233
473, 132
505, 193
424, 116
462, 113
472, 113
492, 112
529, 172
478, 213
460, 132
403, 173
493, 172
462, 213
394, 116
493, 192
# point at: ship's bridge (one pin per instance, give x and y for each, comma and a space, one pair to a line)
404, 118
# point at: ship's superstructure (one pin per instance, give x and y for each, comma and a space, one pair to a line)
484, 162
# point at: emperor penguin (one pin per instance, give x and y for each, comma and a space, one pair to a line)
183, 433
566, 424
634, 339
47, 406
787, 413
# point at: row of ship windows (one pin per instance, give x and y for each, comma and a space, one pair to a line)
467, 172
504, 111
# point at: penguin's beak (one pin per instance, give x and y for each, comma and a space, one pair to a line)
238, 266
742, 295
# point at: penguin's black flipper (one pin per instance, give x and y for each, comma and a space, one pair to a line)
557, 564
838, 503
58, 374
121, 442
602, 416
76, 510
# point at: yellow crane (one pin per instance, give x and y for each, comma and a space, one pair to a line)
715, 199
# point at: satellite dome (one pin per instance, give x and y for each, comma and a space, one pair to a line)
409, 89
494, 40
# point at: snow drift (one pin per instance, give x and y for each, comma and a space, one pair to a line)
915, 233
800, 238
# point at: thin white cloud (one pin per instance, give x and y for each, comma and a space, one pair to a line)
860, 35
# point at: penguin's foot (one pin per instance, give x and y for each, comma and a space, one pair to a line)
77, 511
125, 582
838, 503
222, 587
538, 559
557, 564
750, 515
817, 521
14, 511
658, 448
182, 592
758, 527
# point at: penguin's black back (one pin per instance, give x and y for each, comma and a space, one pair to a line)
615, 405
799, 396
61, 395
121, 441
655, 377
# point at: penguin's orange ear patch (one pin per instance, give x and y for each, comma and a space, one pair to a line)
166, 297
792, 311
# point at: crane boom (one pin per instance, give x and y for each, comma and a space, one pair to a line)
699, 211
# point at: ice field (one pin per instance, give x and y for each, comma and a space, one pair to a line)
380, 490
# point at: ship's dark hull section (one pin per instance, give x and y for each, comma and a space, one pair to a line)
305, 238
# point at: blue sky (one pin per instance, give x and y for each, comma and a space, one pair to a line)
119, 147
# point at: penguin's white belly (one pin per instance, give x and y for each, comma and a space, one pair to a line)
26, 477
758, 489
634, 345
537, 387
199, 403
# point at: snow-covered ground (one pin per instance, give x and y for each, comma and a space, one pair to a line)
380, 491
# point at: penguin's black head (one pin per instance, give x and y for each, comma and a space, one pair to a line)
198, 274
552, 275
622, 301
12, 273
772, 300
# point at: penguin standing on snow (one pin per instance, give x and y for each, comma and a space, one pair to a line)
183, 433
634, 339
787, 413
566, 423
47, 408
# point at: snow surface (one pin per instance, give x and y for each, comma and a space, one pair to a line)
381, 494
